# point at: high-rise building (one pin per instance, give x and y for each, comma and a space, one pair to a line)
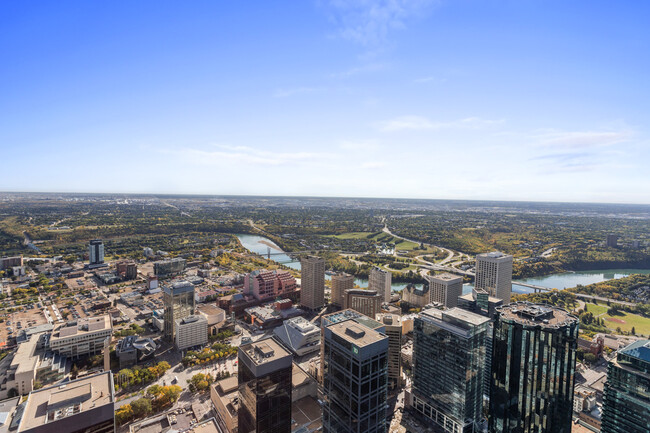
355, 376
96, 252
494, 274
165, 268
393, 326
445, 289
191, 331
264, 373
612, 240
449, 366
340, 283
381, 280
178, 302
626, 401
312, 284
366, 302
533, 368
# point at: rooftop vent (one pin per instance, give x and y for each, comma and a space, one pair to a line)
355, 331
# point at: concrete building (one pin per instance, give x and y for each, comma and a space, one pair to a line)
178, 301
215, 316
225, 400
445, 289
21, 373
393, 326
366, 302
480, 302
381, 281
264, 373
584, 399
299, 335
355, 378
95, 252
132, 350
127, 270
81, 337
494, 274
612, 240
449, 367
10, 262
340, 283
10, 413
81, 406
166, 268
415, 297
267, 285
626, 401
191, 331
312, 284
533, 344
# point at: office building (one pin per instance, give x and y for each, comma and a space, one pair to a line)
366, 302
10, 262
449, 367
612, 240
178, 301
299, 335
533, 368
127, 270
381, 281
81, 406
215, 316
355, 378
494, 274
167, 268
480, 302
267, 285
225, 399
191, 331
340, 283
415, 297
132, 350
393, 326
312, 284
95, 252
626, 400
445, 289
264, 373
81, 337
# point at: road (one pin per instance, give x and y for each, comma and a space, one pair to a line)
599, 298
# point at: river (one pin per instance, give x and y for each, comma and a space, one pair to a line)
260, 245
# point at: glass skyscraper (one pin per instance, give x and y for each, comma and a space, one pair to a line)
449, 367
626, 401
533, 367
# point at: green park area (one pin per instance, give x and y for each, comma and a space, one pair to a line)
623, 320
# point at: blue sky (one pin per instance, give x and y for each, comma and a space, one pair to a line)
464, 99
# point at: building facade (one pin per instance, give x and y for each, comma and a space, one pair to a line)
96, 252
381, 281
445, 289
393, 326
165, 268
533, 369
266, 285
264, 374
81, 337
366, 302
225, 399
355, 378
312, 284
416, 297
449, 368
178, 301
299, 335
191, 331
626, 401
340, 283
494, 274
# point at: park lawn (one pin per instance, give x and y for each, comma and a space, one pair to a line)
640, 324
406, 245
597, 309
353, 235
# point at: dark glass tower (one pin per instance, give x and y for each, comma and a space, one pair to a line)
449, 366
626, 401
264, 374
355, 378
533, 367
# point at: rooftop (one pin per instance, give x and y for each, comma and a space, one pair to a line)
59, 401
639, 349
24, 359
446, 277
81, 326
356, 333
264, 351
348, 314
546, 316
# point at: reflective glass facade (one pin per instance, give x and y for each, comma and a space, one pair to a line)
626, 401
533, 366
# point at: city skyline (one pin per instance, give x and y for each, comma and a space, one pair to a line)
530, 101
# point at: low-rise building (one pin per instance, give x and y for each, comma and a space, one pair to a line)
191, 331
264, 285
81, 337
584, 399
215, 316
415, 297
166, 268
225, 399
132, 349
10, 413
299, 335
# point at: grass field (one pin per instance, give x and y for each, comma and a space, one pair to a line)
626, 321
406, 245
353, 235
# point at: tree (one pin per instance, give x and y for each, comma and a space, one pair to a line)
590, 358
633, 331
141, 407
123, 414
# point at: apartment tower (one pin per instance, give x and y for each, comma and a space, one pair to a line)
393, 325
445, 289
381, 280
494, 274
340, 283
312, 285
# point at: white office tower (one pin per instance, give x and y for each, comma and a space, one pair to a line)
96, 252
445, 289
494, 274
312, 284
380, 280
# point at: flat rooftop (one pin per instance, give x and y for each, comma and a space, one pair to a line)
210, 309
25, 359
446, 277
355, 332
81, 326
348, 314
57, 402
264, 351
542, 315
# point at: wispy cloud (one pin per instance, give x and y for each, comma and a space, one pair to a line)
368, 22
429, 79
583, 139
243, 155
405, 123
285, 93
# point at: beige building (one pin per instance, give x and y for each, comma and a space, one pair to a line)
445, 289
381, 281
416, 297
81, 337
494, 274
312, 284
366, 302
393, 325
340, 283
191, 331
225, 399
21, 373
215, 316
